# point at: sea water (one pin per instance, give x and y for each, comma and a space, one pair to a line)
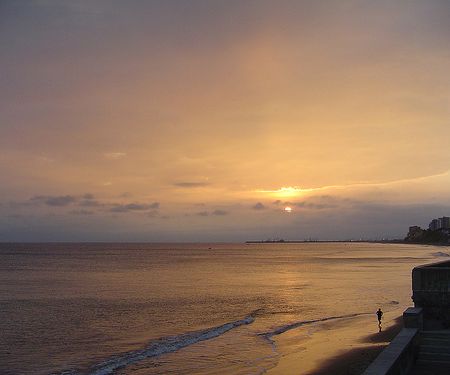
184, 308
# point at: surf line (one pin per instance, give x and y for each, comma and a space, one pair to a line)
288, 327
167, 345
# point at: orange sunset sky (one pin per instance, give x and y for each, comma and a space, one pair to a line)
204, 120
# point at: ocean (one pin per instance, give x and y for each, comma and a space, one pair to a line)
110, 308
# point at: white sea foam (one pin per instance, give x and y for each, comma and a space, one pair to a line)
287, 327
167, 345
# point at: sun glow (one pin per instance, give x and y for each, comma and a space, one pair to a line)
285, 192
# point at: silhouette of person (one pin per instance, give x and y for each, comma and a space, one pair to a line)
379, 315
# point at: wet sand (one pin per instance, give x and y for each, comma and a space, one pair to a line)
343, 347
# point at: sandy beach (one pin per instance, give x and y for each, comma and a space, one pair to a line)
341, 347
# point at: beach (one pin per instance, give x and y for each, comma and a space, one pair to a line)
344, 347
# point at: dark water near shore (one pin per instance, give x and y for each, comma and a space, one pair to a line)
183, 308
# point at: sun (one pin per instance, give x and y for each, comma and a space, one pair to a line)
288, 209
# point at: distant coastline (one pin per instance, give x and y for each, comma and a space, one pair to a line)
437, 234
325, 241
394, 241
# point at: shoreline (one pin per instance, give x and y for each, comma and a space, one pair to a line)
345, 347
400, 242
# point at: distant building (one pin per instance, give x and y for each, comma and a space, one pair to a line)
434, 224
438, 232
415, 233
440, 223
414, 229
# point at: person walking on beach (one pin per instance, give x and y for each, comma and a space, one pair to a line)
379, 315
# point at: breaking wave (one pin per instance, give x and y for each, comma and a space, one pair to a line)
167, 345
287, 327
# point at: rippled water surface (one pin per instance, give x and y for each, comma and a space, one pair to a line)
183, 308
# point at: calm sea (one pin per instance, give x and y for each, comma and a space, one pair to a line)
183, 308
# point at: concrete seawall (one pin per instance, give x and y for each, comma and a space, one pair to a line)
423, 346
398, 357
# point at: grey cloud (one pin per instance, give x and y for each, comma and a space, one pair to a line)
86, 203
90, 203
259, 206
319, 202
121, 208
186, 184
57, 201
85, 200
219, 213
215, 213
315, 206
134, 207
82, 212
323, 202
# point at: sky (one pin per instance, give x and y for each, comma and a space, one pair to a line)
204, 120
